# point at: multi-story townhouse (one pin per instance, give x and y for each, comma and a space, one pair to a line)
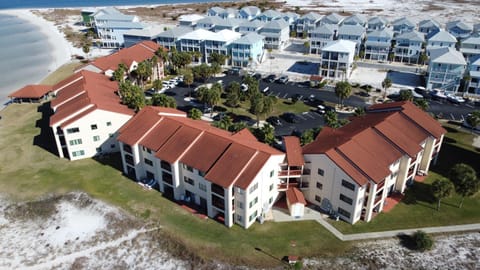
169, 39
470, 47
333, 19
376, 23
355, 33
228, 13
215, 11
110, 25
232, 178
232, 24
219, 43
130, 57
428, 27
445, 69
208, 23
474, 72
87, 114
356, 19
189, 20
353, 169
276, 33
247, 50
307, 23
378, 44
248, 13
441, 39
337, 59
320, 37
291, 18
135, 36
459, 29
402, 25
269, 15
408, 46
250, 26
194, 42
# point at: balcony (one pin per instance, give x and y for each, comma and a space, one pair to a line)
285, 186
217, 190
218, 202
380, 186
287, 173
378, 198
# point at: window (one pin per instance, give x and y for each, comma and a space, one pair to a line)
253, 216
99, 149
76, 142
202, 186
78, 153
318, 198
321, 172
239, 218
202, 174
148, 161
93, 127
127, 148
188, 180
272, 173
319, 185
252, 203
271, 187
129, 159
348, 185
112, 146
343, 212
109, 124
270, 200
188, 168
240, 205
346, 199
150, 175
253, 188
96, 138
110, 135
73, 130
165, 165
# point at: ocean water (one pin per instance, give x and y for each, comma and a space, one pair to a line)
9, 4
24, 53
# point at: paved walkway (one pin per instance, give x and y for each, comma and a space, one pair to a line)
310, 214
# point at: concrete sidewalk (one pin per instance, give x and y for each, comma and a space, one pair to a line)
310, 214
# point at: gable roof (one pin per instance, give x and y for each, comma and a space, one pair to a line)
355, 19
340, 45
225, 158
31, 91
85, 91
429, 23
377, 20
460, 25
332, 18
294, 195
248, 39
383, 33
254, 24
276, 24
251, 10
447, 55
271, 13
366, 147
324, 29
311, 16
403, 21
293, 151
199, 34
139, 52
412, 36
351, 30
175, 32
443, 35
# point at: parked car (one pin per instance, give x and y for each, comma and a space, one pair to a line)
289, 117
438, 94
455, 99
321, 109
283, 79
270, 78
274, 121
234, 71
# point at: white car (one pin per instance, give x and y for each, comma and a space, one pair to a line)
455, 99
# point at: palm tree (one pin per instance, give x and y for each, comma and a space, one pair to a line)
422, 104
386, 83
343, 90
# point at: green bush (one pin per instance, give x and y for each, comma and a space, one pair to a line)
422, 240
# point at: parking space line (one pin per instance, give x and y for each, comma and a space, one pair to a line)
278, 94
300, 116
468, 105
284, 96
310, 115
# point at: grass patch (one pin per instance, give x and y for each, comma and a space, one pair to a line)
61, 73
418, 208
29, 172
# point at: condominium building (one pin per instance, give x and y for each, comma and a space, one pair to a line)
247, 50
219, 43
230, 177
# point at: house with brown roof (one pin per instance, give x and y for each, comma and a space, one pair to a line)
86, 115
352, 170
230, 177
130, 57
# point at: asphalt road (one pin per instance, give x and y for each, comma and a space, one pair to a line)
312, 119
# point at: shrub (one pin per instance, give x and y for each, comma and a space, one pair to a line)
422, 240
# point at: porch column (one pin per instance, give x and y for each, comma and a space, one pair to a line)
371, 200
228, 212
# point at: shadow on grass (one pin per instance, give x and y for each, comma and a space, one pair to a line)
421, 194
113, 160
407, 241
450, 155
45, 139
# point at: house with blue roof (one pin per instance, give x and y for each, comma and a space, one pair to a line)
408, 46
474, 72
247, 50
215, 11
378, 44
250, 26
208, 23
291, 18
332, 18
232, 24
269, 15
276, 33
376, 23
446, 68
356, 19
170, 38
428, 27
459, 29
470, 47
307, 23
110, 25
320, 37
248, 13
352, 32
403, 24
441, 39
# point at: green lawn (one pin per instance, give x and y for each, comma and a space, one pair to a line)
28, 171
418, 209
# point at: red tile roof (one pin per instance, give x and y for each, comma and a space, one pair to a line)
225, 158
294, 151
295, 196
366, 147
82, 91
138, 53
31, 91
